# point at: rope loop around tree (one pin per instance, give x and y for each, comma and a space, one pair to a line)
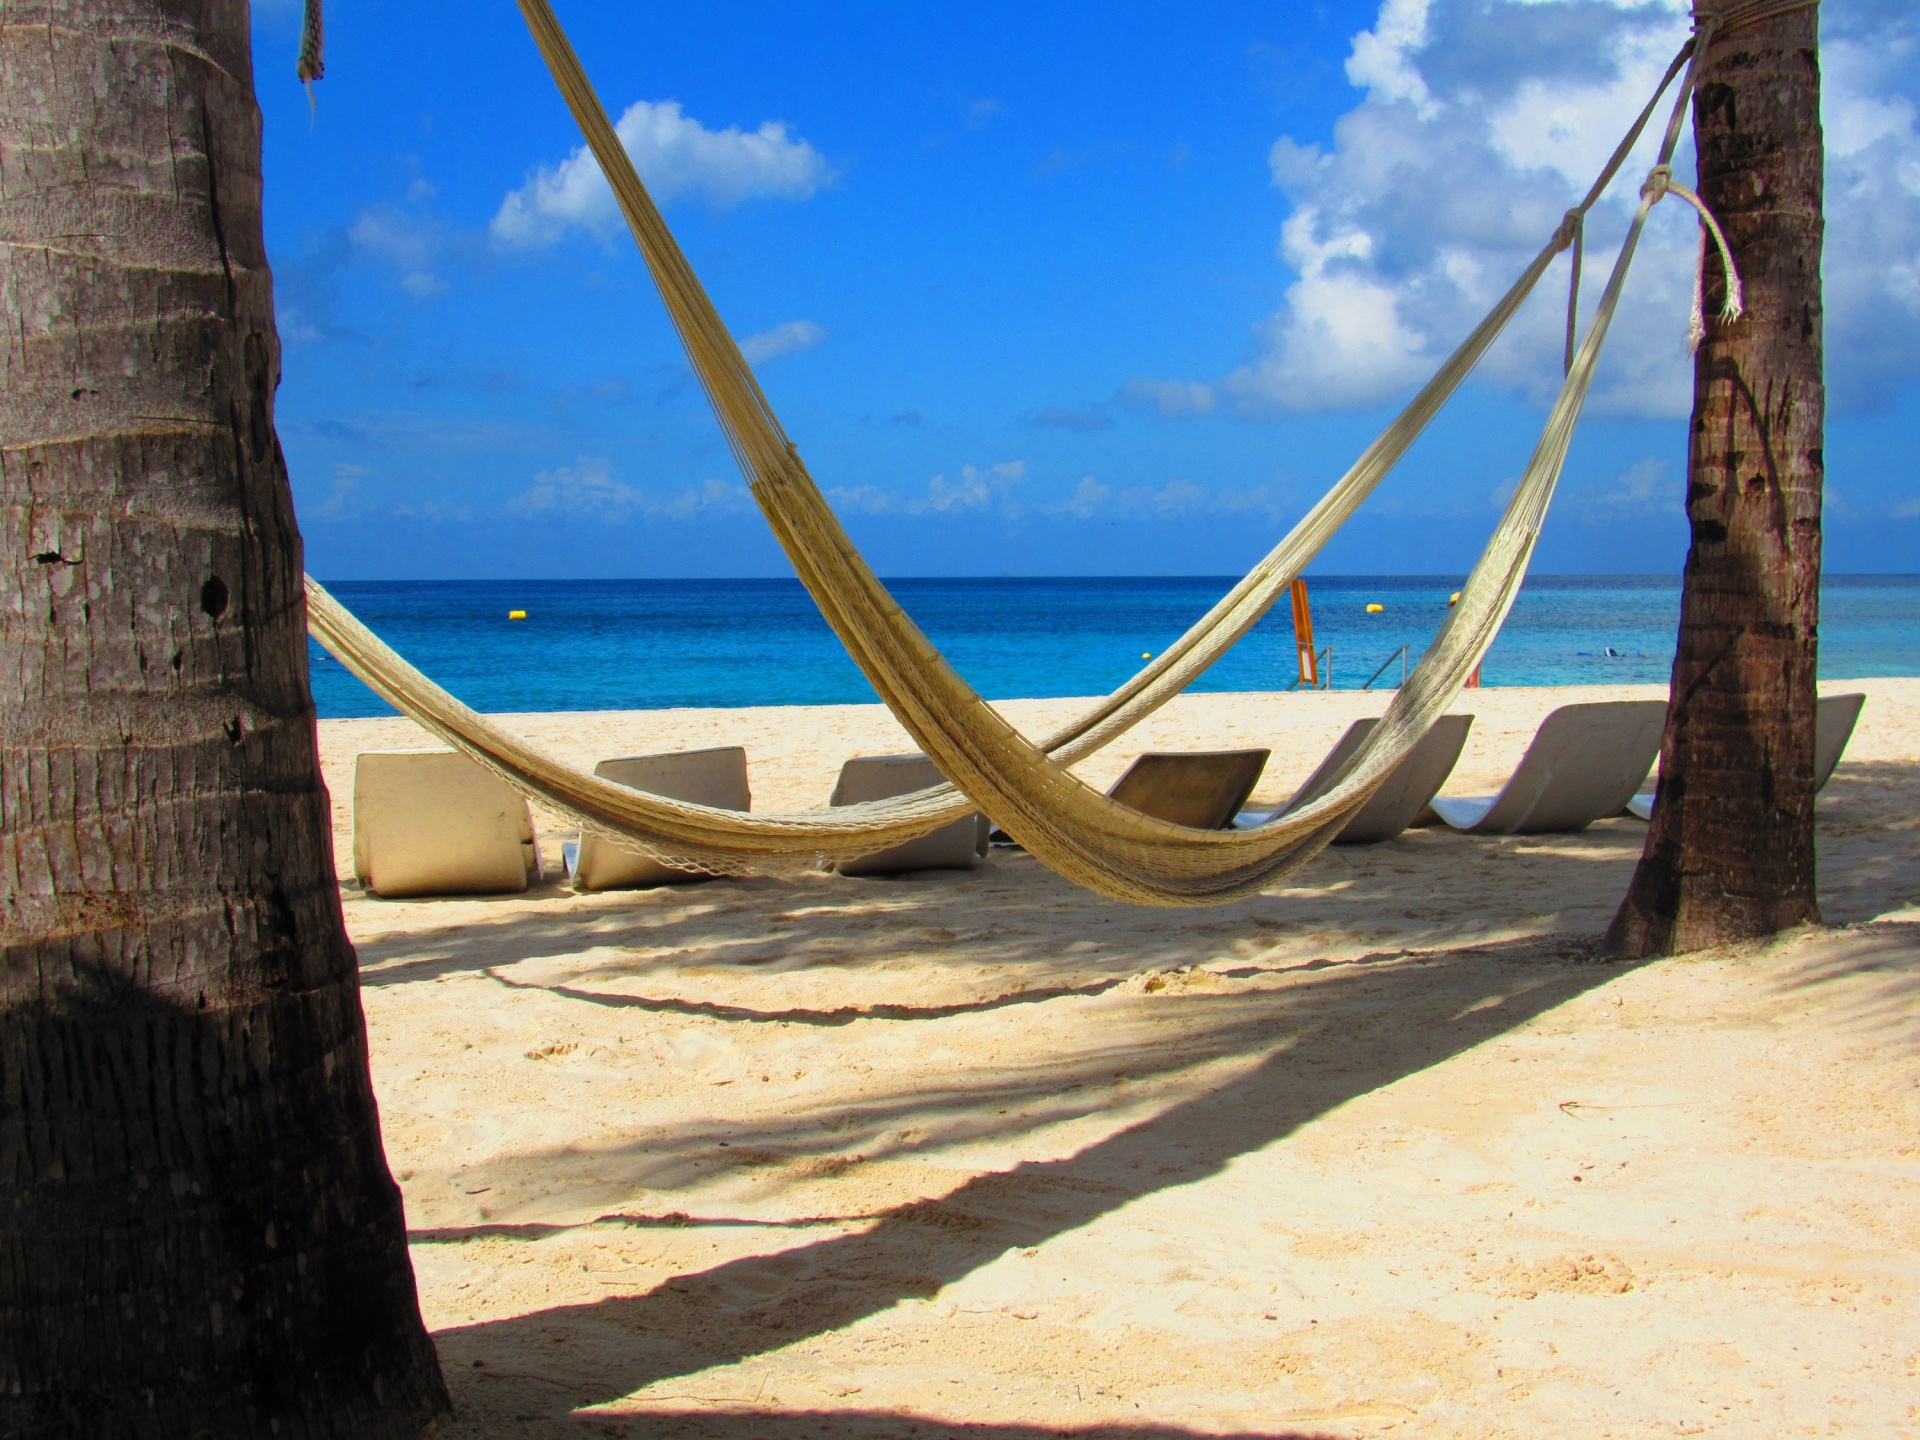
1725, 19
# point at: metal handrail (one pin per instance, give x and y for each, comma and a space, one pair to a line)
1401, 656
1326, 674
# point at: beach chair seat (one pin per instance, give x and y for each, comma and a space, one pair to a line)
716, 777
1833, 720
958, 846
1402, 797
434, 822
1584, 763
1202, 789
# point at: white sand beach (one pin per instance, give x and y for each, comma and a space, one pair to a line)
1386, 1149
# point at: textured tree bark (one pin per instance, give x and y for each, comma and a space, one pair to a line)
1730, 852
198, 1231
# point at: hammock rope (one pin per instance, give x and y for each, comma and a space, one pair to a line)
1024, 787
312, 63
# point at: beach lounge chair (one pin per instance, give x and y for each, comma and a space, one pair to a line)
434, 822
1833, 721
959, 846
1203, 789
1405, 794
705, 777
1585, 763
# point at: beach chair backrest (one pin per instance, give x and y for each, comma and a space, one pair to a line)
1202, 789
1585, 762
1833, 722
1407, 788
958, 846
1329, 770
434, 822
716, 777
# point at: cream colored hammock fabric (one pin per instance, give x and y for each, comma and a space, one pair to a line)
1027, 789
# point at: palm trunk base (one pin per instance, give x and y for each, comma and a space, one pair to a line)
1670, 912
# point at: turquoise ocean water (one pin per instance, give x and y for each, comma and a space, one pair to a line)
648, 644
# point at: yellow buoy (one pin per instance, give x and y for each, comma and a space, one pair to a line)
516, 614
1453, 599
1375, 609
1146, 655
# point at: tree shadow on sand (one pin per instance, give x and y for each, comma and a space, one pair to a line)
1876, 969
664, 1423
837, 1015
1352, 1030
1091, 1063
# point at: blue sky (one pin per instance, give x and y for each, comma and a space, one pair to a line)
1037, 289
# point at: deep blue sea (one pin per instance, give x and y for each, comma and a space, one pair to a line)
648, 644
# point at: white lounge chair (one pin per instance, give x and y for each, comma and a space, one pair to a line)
434, 822
715, 777
958, 846
1833, 720
1584, 764
1405, 794
1203, 789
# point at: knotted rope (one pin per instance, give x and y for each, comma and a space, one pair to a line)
1707, 24
1660, 182
312, 64
1573, 234
1710, 24
1573, 225
1725, 19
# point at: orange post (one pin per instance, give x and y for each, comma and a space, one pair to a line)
1303, 636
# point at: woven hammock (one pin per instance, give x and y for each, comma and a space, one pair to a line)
1024, 787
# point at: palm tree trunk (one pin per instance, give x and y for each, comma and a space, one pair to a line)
1730, 853
198, 1231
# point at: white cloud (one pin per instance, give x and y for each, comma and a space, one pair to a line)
1906, 509
1644, 488
1169, 397
1871, 264
977, 489
1090, 499
787, 339
1340, 340
587, 490
1382, 58
1292, 164
407, 241
1481, 122
339, 501
294, 326
1063, 417
997, 489
422, 284
678, 157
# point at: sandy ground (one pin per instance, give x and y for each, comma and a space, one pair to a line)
1385, 1149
